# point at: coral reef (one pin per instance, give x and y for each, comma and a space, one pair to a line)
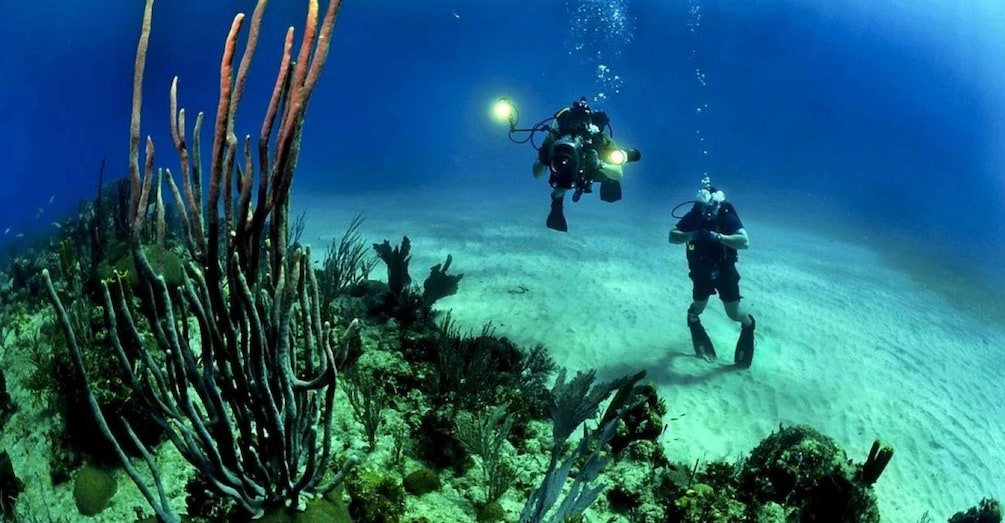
987, 511
214, 337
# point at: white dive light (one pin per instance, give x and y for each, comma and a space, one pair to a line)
617, 157
503, 110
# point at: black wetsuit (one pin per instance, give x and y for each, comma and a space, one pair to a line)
712, 265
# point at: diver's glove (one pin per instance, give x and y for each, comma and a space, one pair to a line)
706, 236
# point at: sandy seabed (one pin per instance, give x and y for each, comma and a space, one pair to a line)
847, 340
851, 340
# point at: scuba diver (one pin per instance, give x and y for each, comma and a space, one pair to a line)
713, 233
579, 151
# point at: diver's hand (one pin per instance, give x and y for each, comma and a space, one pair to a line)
705, 236
592, 159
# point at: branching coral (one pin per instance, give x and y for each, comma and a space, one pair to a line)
244, 379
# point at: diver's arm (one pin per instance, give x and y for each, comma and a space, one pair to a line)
611, 171
737, 240
678, 236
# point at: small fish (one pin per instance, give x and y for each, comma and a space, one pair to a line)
5, 231
19, 235
51, 198
57, 225
457, 16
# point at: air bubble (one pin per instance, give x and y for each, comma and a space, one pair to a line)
599, 32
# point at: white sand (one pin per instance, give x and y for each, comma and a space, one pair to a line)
846, 342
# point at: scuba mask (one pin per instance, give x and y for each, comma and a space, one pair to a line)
708, 201
709, 198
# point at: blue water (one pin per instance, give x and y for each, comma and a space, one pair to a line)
878, 119
889, 110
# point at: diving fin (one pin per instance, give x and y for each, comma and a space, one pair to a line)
744, 354
703, 347
610, 191
556, 218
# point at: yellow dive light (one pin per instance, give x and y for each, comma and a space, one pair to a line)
617, 157
623, 156
504, 110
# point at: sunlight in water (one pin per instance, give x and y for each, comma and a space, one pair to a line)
599, 32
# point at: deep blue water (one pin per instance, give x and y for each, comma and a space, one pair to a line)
892, 109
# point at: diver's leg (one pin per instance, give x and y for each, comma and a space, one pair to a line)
729, 290
744, 354
736, 312
697, 307
556, 218
727, 284
702, 344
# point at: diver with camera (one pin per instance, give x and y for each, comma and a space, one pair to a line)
713, 233
578, 151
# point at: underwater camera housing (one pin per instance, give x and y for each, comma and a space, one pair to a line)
569, 165
576, 127
566, 161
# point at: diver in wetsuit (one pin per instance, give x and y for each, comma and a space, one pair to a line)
576, 155
713, 233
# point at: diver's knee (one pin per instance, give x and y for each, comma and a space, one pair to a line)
734, 311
